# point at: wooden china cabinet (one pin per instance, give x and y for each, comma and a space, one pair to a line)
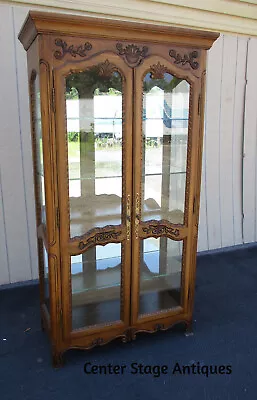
117, 132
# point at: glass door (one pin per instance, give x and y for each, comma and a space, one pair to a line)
95, 187
161, 189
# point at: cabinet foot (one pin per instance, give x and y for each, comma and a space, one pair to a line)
57, 359
133, 334
189, 329
128, 336
42, 324
125, 339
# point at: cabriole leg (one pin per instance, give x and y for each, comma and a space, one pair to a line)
57, 359
189, 328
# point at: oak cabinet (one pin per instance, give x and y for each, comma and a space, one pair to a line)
117, 131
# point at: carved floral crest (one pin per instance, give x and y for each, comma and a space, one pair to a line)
157, 71
106, 69
132, 53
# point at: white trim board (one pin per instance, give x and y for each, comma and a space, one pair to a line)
220, 15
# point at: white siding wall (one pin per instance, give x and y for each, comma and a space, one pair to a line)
229, 180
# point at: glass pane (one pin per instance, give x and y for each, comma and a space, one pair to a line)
94, 132
160, 274
37, 126
41, 188
46, 277
44, 271
96, 281
165, 135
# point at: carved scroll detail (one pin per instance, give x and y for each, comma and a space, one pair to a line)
158, 327
157, 71
187, 58
80, 50
97, 342
160, 229
132, 53
99, 238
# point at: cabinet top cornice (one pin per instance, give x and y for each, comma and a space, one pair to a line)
75, 25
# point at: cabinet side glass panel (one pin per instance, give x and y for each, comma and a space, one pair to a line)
94, 136
164, 155
96, 283
38, 142
39, 180
46, 279
160, 275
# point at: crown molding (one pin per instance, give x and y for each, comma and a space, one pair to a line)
38, 22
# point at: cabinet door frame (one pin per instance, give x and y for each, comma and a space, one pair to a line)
186, 231
72, 246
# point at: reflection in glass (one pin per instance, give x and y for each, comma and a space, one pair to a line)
46, 278
165, 135
96, 280
39, 180
94, 132
160, 275
39, 148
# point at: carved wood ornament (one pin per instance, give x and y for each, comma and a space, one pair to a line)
158, 327
97, 342
80, 50
106, 69
160, 229
132, 53
157, 71
99, 238
187, 58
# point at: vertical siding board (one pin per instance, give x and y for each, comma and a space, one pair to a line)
10, 155
238, 138
203, 233
4, 271
250, 155
213, 95
226, 140
256, 185
20, 14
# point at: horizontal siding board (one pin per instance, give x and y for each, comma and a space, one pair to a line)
228, 7
159, 11
11, 157
250, 154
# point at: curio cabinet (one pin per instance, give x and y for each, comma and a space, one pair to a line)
117, 132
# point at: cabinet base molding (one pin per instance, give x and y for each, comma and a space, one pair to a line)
87, 343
